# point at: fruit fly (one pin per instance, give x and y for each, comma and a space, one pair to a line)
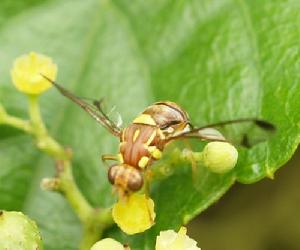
143, 141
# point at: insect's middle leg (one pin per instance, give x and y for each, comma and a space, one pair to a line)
188, 154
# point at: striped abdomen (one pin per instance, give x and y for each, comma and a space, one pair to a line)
140, 145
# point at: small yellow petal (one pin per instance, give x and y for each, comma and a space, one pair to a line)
170, 240
27, 70
135, 214
107, 244
220, 157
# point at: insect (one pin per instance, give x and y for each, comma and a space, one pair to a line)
143, 141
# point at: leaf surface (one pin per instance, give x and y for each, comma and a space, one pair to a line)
218, 59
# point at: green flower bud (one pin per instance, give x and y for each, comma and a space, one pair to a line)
220, 157
18, 232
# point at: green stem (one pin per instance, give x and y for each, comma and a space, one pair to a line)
14, 121
44, 142
94, 221
70, 190
94, 227
17, 123
35, 116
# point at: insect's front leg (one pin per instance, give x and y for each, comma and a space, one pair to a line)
194, 158
108, 157
189, 155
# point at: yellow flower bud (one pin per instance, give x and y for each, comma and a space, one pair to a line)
170, 240
135, 214
27, 70
107, 244
220, 157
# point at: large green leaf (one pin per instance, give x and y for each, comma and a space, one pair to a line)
219, 59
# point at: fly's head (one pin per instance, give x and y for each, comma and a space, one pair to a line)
169, 117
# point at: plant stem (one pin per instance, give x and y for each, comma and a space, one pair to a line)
17, 123
43, 140
14, 121
35, 116
69, 189
94, 227
94, 221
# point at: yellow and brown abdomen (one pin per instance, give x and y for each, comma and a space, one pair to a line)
140, 145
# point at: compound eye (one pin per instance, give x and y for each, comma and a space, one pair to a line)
168, 124
136, 181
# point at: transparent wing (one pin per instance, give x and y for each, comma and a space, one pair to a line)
110, 113
245, 132
94, 108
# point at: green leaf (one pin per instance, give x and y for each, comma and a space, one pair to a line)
219, 59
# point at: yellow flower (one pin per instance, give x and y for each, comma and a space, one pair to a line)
170, 240
135, 214
27, 70
220, 157
107, 244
